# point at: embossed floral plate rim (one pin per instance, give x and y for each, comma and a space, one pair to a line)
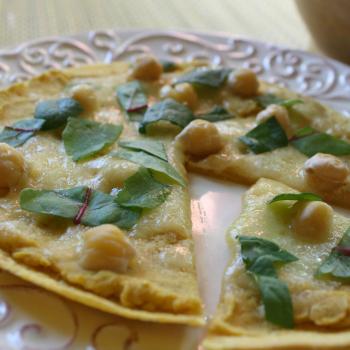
307, 73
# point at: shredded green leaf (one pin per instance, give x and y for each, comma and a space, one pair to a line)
303, 196
304, 132
133, 100
213, 78
101, 208
265, 137
269, 99
168, 110
217, 114
321, 143
337, 264
152, 147
85, 138
168, 66
151, 162
261, 257
55, 113
20, 132
142, 190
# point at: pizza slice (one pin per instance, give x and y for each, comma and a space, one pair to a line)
286, 285
90, 208
275, 134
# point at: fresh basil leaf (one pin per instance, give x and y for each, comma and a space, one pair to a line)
269, 99
154, 148
132, 99
168, 66
254, 248
265, 137
168, 110
277, 301
303, 196
153, 163
62, 203
217, 114
103, 209
55, 113
100, 209
84, 138
261, 257
142, 190
213, 78
20, 132
321, 143
337, 264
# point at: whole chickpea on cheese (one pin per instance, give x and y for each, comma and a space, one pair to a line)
184, 93
324, 171
106, 247
11, 167
312, 221
200, 138
243, 82
86, 96
281, 115
146, 67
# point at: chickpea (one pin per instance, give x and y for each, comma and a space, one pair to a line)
312, 221
146, 67
325, 171
200, 138
281, 115
86, 96
184, 93
243, 82
330, 309
107, 248
11, 167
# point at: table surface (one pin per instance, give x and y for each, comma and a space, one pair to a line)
275, 21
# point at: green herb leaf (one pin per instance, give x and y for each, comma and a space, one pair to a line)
269, 99
213, 78
277, 301
155, 148
254, 249
321, 143
303, 196
266, 137
168, 66
103, 209
217, 114
261, 257
307, 130
168, 110
100, 208
132, 99
337, 264
153, 163
18, 133
55, 113
142, 190
84, 138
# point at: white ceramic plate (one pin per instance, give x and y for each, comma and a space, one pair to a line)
31, 318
